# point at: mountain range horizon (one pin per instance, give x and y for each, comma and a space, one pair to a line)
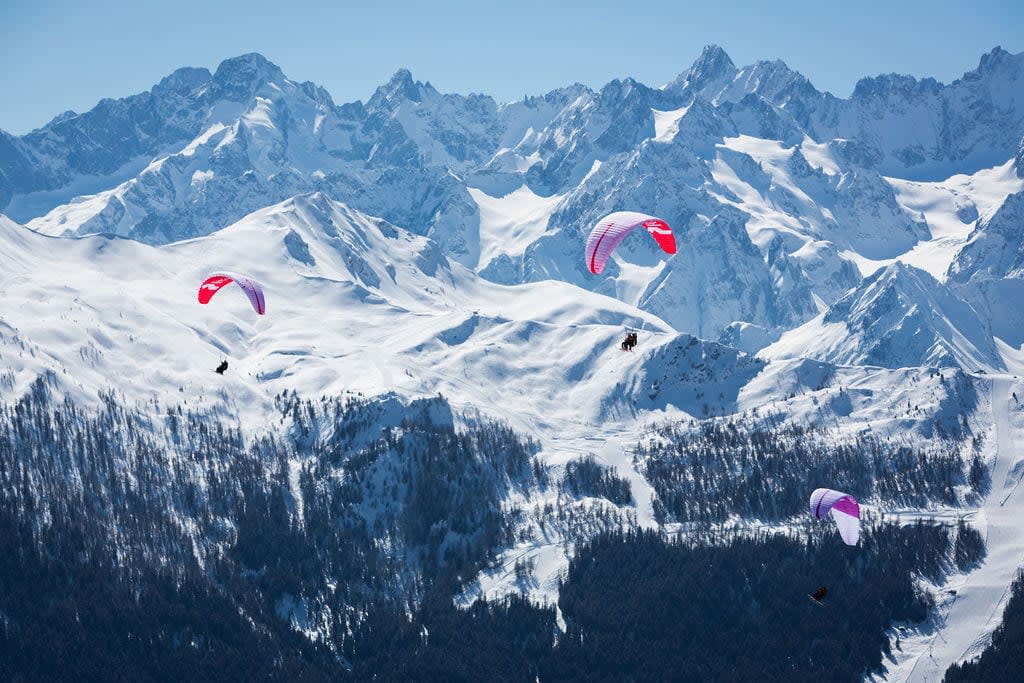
710, 52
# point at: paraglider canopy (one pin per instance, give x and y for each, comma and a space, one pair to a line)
214, 283
613, 228
844, 510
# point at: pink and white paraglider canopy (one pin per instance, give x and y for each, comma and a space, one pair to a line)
844, 510
217, 281
613, 228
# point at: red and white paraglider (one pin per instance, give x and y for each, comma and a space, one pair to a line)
218, 281
844, 510
613, 228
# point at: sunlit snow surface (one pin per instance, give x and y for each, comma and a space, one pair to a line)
951, 208
509, 224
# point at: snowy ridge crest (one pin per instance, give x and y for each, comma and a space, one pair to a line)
898, 317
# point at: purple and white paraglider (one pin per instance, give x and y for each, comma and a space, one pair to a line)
844, 510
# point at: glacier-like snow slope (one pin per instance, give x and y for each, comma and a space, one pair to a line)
951, 208
510, 223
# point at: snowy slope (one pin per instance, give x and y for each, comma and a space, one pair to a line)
898, 317
971, 605
402, 316
951, 208
509, 224
989, 270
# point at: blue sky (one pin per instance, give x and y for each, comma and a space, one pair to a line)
64, 54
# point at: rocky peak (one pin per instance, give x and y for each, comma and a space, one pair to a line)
240, 77
183, 81
883, 85
993, 59
400, 87
712, 64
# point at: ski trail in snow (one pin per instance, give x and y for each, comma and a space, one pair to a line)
294, 469
613, 449
616, 451
964, 627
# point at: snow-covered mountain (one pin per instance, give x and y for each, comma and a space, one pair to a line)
202, 150
251, 137
351, 297
845, 266
989, 270
901, 125
357, 305
898, 317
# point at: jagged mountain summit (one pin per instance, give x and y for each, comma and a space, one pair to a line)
251, 137
901, 125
